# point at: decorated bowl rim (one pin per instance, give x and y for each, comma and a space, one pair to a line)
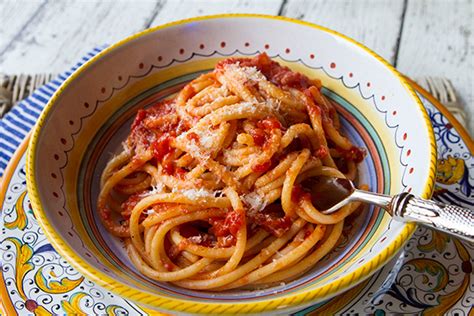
299, 298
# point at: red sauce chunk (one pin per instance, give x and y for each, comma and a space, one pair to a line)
151, 124
262, 132
355, 154
167, 163
321, 152
299, 193
262, 167
272, 219
162, 146
141, 114
193, 136
128, 205
269, 123
229, 225
259, 136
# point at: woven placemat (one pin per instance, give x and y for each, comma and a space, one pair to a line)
14, 88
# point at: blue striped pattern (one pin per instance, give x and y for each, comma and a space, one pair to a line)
16, 124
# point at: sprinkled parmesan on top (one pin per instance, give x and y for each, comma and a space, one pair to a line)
196, 239
254, 201
156, 189
244, 74
195, 193
150, 211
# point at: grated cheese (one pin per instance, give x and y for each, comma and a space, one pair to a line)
156, 189
254, 201
150, 211
195, 193
244, 74
195, 239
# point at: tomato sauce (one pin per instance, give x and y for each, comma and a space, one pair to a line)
259, 136
228, 225
162, 146
321, 152
269, 124
355, 154
272, 219
152, 127
262, 167
299, 193
193, 136
128, 205
277, 74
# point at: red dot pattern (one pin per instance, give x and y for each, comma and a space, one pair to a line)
333, 65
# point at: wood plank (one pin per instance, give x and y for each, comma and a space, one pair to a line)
437, 41
14, 15
176, 10
62, 31
375, 23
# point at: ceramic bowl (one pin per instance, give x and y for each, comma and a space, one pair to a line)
88, 118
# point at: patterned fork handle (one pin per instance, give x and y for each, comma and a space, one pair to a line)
451, 219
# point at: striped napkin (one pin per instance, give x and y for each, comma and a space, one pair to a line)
16, 124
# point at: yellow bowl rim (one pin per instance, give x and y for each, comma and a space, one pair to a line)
324, 292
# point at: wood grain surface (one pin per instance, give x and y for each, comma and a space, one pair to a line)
437, 40
176, 10
420, 37
362, 21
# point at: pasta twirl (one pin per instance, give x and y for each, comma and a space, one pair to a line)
211, 190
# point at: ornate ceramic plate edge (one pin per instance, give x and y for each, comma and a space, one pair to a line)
459, 128
6, 308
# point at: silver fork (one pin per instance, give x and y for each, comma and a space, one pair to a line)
443, 90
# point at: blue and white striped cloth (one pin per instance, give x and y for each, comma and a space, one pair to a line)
16, 124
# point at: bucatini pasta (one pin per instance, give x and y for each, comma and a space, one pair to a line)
212, 190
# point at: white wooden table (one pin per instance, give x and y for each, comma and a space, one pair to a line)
420, 37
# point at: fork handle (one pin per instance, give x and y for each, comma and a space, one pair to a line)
451, 219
